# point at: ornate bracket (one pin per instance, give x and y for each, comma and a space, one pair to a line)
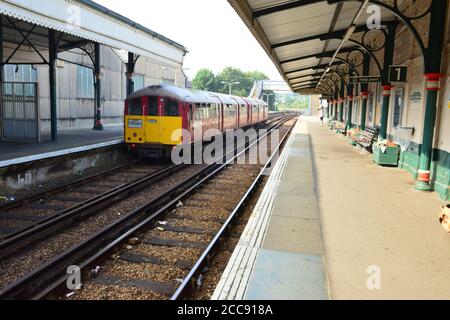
425, 19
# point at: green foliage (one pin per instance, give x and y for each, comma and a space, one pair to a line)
292, 101
206, 80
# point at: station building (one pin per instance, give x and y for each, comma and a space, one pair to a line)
71, 64
378, 64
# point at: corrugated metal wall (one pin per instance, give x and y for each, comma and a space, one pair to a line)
74, 111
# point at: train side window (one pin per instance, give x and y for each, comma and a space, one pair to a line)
171, 109
152, 106
135, 107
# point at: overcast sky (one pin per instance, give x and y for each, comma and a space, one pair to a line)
211, 30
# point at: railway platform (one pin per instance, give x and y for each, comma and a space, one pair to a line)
69, 141
331, 224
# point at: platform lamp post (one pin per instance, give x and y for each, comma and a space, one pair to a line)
230, 84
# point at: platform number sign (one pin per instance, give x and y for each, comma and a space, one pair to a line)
398, 73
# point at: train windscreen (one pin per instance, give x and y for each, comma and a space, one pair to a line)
171, 109
152, 106
135, 107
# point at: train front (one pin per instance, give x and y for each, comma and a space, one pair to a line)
153, 124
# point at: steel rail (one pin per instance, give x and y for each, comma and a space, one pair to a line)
188, 281
45, 226
35, 285
36, 196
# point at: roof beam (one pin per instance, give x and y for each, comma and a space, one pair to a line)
315, 80
302, 77
324, 36
319, 55
282, 7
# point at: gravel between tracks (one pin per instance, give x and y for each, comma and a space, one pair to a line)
19, 265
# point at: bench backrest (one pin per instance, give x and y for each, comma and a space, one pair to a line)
369, 135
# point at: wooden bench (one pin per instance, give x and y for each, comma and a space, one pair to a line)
340, 127
367, 138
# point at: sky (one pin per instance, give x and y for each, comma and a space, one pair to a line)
211, 30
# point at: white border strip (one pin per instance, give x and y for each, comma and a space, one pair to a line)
58, 153
234, 281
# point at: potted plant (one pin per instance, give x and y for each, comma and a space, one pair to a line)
386, 153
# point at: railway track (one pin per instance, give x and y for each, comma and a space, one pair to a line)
100, 245
24, 213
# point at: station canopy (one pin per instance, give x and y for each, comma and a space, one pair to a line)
301, 36
79, 22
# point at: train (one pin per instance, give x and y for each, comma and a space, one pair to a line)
155, 116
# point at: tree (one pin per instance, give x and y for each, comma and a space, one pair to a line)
204, 80
256, 76
230, 74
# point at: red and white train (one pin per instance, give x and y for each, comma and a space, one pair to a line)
154, 115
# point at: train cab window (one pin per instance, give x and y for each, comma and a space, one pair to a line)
152, 106
135, 107
171, 109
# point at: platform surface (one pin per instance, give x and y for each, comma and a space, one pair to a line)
280, 255
67, 139
332, 224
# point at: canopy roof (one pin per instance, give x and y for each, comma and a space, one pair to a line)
302, 35
81, 21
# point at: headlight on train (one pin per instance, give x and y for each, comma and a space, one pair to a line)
134, 123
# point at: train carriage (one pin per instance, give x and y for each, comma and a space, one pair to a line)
156, 115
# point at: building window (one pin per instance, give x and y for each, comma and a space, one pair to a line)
85, 83
139, 82
170, 82
20, 73
398, 107
371, 106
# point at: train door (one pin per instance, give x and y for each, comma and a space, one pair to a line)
249, 111
221, 114
170, 122
152, 127
135, 120
238, 113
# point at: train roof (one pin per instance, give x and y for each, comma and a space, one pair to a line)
189, 95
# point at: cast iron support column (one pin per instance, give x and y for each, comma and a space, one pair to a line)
98, 126
341, 103
1, 78
385, 111
328, 109
388, 61
335, 117
53, 55
433, 65
364, 98
1, 50
365, 91
350, 90
130, 71
426, 150
350, 112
